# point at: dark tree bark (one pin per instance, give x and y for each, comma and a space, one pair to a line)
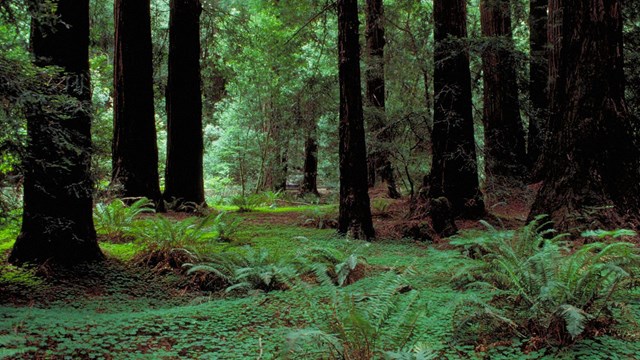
505, 144
380, 166
454, 170
538, 79
135, 150
592, 160
57, 223
310, 180
184, 172
355, 213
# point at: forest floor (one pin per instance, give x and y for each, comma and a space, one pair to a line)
122, 310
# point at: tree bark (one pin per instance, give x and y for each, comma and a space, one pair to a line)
505, 145
592, 177
538, 79
380, 166
454, 170
355, 212
57, 223
135, 150
184, 177
310, 180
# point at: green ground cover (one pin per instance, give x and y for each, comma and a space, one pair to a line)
119, 310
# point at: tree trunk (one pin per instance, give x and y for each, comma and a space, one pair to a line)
135, 150
505, 145
184, 172
355, 212
57, 223
592, 160
454, 170
310, 180
538, 79
380, 166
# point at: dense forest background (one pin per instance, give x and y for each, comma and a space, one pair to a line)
402, 179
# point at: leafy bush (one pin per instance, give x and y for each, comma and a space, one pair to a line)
543, 290
250, 270
116, 220
225, 226
363, 326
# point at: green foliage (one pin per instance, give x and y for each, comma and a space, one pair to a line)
542, 289
380, 205
249, 270
329, 265
247, 203
116, 220
160, 233
321, 217
362, 326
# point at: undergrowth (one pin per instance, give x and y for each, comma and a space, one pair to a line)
543, 290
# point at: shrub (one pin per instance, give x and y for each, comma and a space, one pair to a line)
116, 220
543, 290
363, 326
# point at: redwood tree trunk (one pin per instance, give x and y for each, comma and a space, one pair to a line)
355, 213
57, 223
592, 160
380, 166
538, 78
454, 170
184, 172
135, 150
310, 179
505, 145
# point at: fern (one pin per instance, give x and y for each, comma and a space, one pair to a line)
162, 233
251, 270
116, 220
540, 287
363, 326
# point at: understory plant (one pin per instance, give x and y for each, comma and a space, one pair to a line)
331, 266
378, 324
541, 289
251, 269
117, 220
162, 233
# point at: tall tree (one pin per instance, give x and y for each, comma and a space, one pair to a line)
380, 166
184, 171
505, 144
592, 161
538, 78
454, 170
135, 149
355, 212
57, 223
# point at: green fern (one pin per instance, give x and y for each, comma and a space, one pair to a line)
162, 233
116, 220
363, 326
540, 287
329, 265
250, 270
